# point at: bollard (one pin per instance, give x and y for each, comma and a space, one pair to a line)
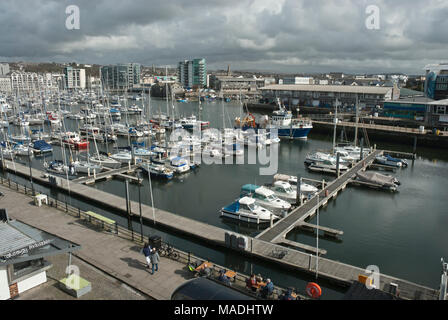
88, 172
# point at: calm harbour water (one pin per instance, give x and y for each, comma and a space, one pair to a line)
403, 233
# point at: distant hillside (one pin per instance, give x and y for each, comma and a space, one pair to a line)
52, 67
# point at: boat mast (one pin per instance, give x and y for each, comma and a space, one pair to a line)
335, 122
357, 120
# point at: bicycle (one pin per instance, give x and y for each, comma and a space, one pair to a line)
168, 251
278, 253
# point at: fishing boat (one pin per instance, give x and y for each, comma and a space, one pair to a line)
246, 209
73, 139
282, 122
266, 198
41, 147
157, 170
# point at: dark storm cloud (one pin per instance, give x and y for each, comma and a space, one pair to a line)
284, 35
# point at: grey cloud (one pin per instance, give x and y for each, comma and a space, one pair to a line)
289, 35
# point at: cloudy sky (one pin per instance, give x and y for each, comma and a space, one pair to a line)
274, 35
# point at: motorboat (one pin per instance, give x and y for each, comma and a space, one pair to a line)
179, 165
58, 167
305, 188
157, 170
41, 147
387, 160
377, 179
284, 190
327, 166
246, 209
266, 198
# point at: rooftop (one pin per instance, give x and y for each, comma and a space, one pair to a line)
328, 88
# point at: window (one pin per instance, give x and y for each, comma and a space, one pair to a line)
440, 109
26, 267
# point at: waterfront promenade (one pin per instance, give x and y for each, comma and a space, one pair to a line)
117, 257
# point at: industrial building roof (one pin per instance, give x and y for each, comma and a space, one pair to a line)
328, 88
12, 239
439, 103
21, 242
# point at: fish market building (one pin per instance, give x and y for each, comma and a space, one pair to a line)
325, 95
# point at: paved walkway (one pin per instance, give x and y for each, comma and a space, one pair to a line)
113, 255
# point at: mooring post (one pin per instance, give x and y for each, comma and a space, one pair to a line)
272, 219
323, 184
298, 190
415, 148
362, 149
338, 158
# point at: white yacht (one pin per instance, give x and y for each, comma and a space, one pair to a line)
246, 209
266, 198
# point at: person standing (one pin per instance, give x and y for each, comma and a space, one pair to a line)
155, 260
147, 253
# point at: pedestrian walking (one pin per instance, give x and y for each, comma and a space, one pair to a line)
147, 253
155, 260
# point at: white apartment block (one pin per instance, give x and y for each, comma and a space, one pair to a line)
75, 78
5, 85
4, 69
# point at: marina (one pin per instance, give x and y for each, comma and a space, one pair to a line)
213, 232
267, 239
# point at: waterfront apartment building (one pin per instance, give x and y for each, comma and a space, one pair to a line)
192, 73
326, 95
121, 76
30, 81
5, 84
436, 83
74, 78
4, 69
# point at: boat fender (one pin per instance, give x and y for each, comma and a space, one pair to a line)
313, 290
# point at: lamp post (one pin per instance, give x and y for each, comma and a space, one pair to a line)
139, 172
31, 172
